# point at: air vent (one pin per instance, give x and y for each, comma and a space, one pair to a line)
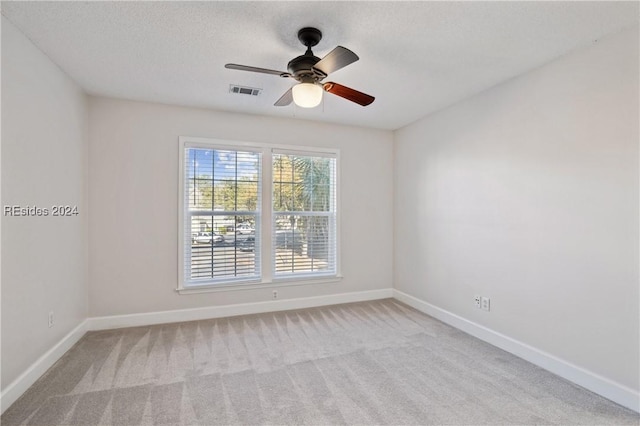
244, 90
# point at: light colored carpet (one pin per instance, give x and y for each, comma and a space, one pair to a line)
367, 363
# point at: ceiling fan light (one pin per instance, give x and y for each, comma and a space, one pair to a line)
307, 95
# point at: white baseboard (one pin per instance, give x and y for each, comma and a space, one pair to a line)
607, 388
16, 388
149, 318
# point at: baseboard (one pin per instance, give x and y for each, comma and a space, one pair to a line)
607, 388
149, 318
16, 388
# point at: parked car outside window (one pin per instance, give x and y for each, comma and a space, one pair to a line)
248, 244
245, 228
208, 238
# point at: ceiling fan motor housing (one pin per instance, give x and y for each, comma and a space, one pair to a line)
302, 66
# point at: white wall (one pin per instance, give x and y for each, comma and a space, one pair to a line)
528, 194
44, 160
133, 158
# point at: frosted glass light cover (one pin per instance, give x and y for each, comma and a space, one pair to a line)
307, 95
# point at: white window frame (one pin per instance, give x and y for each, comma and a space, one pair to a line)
265, 216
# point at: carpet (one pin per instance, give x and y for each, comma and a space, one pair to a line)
367, 363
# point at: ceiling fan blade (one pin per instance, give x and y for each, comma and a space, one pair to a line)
256, 69
285, 99
338, 58
348, 93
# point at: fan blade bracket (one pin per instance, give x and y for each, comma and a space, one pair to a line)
319, 74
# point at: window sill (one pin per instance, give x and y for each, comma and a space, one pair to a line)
289, 282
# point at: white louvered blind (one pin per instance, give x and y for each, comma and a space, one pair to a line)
304, 232
222, 190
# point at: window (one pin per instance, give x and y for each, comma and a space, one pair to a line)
256, 214
222, 196
304, 215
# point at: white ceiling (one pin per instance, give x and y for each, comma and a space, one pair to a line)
415, 57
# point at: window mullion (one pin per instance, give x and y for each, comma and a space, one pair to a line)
266, 221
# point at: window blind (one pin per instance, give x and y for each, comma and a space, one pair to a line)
222, 190
304, 234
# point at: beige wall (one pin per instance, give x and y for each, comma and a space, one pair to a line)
44, 160
133, 158
528, 194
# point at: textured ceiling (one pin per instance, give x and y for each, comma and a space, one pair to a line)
415, 57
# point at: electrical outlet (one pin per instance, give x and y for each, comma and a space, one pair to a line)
485, 303
275, 294
50, 319
476, 300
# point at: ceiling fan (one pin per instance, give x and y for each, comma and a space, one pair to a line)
309, 71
